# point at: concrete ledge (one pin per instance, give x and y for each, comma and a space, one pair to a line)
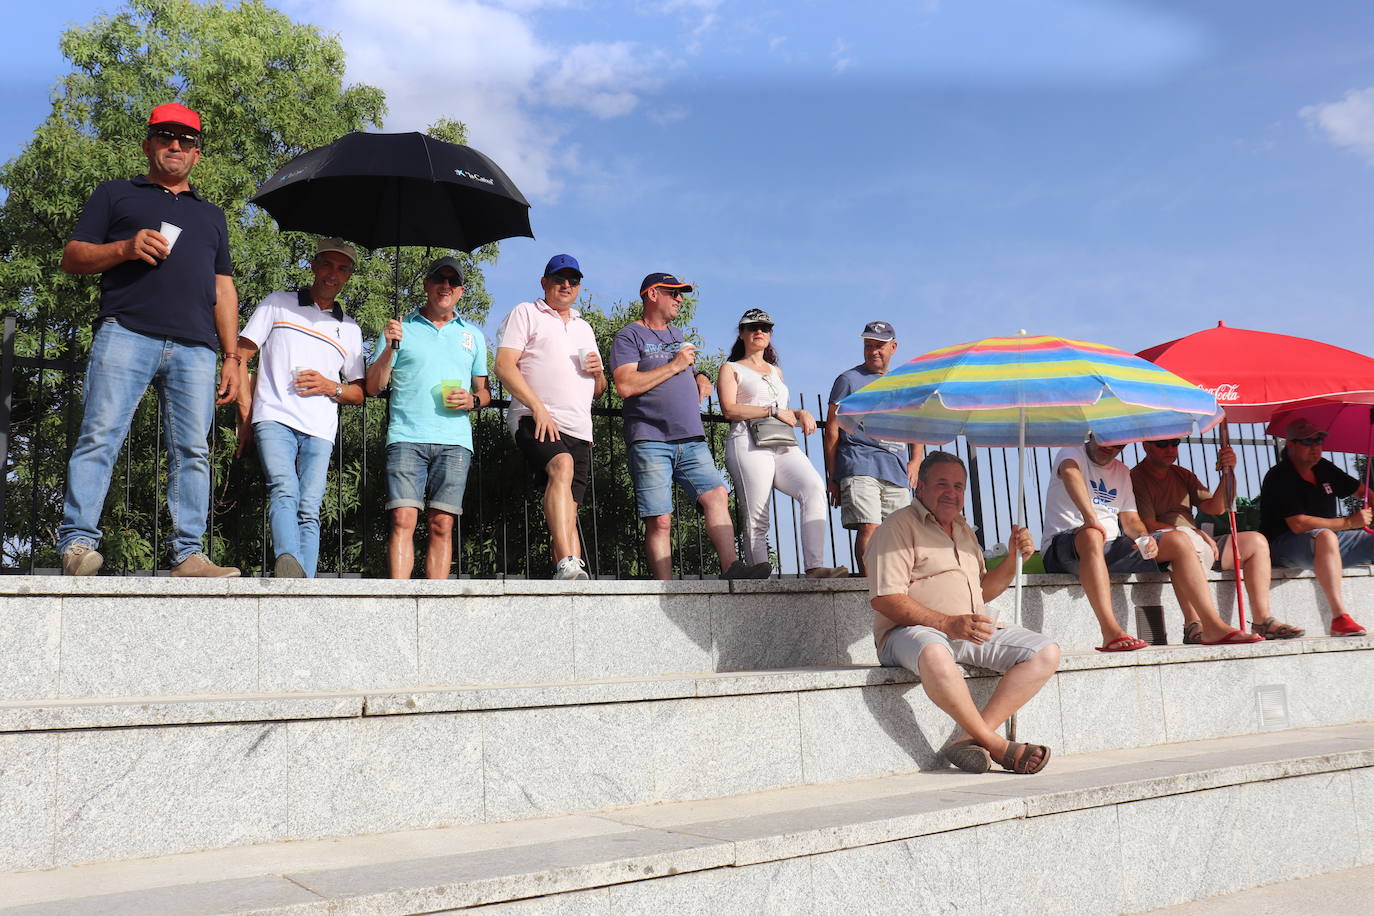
126, 712
340, 765
73, 639
1233, 813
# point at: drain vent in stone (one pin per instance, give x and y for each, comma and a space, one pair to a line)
1272, 700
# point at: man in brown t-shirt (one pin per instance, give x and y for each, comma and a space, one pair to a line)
1166, 496
929, 601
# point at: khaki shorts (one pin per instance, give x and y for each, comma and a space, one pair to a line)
1004, 650
868, 500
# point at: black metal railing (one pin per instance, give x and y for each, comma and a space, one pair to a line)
501, 533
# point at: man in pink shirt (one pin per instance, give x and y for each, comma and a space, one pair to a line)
547, 359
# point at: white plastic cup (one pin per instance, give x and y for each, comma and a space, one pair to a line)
583, 355
170, 233
1146, 545
296, 374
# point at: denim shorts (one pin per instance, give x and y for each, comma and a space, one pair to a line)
1298, 550
420, 475
655, 465
1122, 557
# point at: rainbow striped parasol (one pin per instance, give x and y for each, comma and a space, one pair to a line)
1029, 390
1023, 390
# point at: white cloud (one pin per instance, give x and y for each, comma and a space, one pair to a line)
1348, 123
839, 55
487, 67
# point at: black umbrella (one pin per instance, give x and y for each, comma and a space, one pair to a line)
397, 189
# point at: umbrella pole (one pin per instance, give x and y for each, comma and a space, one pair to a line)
396, 288
1020, 507
1230, 482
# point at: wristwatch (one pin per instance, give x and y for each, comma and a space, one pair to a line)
338, 390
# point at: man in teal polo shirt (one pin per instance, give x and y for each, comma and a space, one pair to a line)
435, 363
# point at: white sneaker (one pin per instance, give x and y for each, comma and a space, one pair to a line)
571, 568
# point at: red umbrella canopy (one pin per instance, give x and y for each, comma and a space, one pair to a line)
1255, 374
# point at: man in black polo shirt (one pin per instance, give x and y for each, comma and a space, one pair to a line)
167, 303
1298, 515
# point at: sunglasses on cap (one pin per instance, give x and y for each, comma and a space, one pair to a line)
165, 137
1310, 440
757, 326
1164, 443
451, 279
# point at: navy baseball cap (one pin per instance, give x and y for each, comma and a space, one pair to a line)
667, 281
441, 263
562, 262
878, 330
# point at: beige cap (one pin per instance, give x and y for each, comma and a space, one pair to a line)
337, 244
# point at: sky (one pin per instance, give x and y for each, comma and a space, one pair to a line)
1122, 171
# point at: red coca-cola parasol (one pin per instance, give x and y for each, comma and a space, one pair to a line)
1255, 375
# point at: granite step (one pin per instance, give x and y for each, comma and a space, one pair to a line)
1101, 832
76, 638
95, 780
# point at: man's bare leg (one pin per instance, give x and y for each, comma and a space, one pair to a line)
400, 542
1097, 585
862, 535
1254, 563
658, 545
439, 553
1327, 565
944, 683
1190, 583
559, 509
715, 511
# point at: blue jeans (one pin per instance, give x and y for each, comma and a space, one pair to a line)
1299, 550
296, 466
121, 366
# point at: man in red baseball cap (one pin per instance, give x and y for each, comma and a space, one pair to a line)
167, 304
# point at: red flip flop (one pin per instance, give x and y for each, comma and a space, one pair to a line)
1123, 644
1234, 638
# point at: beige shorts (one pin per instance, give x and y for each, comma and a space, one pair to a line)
868, 500
1004, 650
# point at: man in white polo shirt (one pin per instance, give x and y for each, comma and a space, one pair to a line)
540, 360
312, 361
438, 374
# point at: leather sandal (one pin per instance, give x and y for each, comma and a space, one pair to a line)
1019, 756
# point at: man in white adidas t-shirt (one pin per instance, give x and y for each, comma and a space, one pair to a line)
312, 361
1092, 529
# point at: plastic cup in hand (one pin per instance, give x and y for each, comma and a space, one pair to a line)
583, 355
450, 387
170, 233
296, 373
1146, 545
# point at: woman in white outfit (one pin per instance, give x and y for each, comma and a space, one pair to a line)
751, 387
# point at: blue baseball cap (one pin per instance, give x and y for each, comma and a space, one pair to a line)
668, 281
562, 262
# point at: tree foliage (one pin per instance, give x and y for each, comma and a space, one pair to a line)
267, 90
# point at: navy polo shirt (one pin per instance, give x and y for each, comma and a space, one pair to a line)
177, 297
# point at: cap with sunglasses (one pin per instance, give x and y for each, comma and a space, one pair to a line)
756, 316
174, 113
667, 281
440, 264
1305, 431
562, 262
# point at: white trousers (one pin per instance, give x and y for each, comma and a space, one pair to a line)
756, 471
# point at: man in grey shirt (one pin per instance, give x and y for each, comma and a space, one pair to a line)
869, 478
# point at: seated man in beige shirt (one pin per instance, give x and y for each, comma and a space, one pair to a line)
930, 600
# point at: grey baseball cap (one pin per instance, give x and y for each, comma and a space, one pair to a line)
878, 330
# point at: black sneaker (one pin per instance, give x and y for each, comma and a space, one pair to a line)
741, 570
